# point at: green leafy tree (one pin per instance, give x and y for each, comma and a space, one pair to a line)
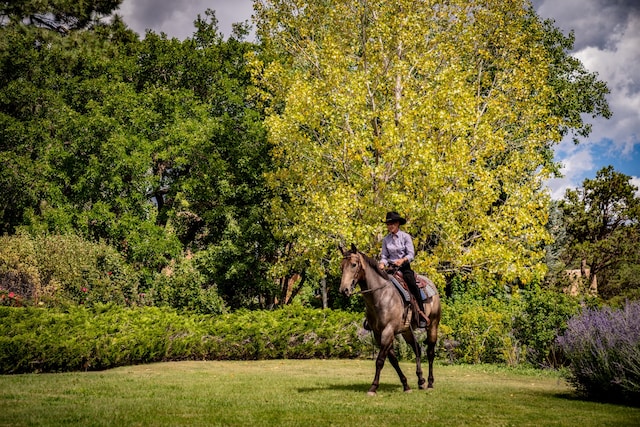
58, 15
213, 194
215, 199
555, 261
444, 111
153, 146
74, 112
603, 226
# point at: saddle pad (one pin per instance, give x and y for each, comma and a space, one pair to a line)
427, 285
401, 289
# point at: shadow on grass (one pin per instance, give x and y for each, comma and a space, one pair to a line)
360, 387
605, 400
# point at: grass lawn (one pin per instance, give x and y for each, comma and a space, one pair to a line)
298, 393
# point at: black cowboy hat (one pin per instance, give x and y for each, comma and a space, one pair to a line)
393, 217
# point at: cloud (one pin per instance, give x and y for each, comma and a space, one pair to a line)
636, 182
577, 161
175, 18
594, 22
618, 67
607, 40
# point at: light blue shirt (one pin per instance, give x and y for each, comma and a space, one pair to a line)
397, 246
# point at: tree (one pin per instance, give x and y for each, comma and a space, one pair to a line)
58, 15
152, 146
603, 225
444, 111
74, 111
212, 190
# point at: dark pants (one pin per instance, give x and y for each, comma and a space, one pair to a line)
410, 278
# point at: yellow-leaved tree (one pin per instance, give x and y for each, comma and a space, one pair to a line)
445, 111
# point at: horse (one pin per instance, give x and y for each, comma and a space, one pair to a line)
388, 316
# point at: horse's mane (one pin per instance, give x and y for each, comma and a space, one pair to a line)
373, 264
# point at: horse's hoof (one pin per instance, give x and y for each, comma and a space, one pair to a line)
371, 393
408, 390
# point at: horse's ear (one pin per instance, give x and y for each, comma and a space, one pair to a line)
341, 247
354, 249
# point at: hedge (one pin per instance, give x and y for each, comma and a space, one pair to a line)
80, 338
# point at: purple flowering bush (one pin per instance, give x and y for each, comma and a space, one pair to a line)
603, 347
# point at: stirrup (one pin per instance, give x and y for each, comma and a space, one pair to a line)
365, 325
423, 321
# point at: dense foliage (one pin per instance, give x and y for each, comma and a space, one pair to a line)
515, 329
35, 340
65, 270
446, 111
52, 271
158, 147
603, 347
602, 224
152, 146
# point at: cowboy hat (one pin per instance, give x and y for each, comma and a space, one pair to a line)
393, 217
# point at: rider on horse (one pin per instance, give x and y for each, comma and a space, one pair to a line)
397, 249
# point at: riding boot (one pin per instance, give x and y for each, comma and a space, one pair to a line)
410, 278
421, 314
422, 322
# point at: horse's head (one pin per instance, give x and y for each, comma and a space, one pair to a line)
352, 270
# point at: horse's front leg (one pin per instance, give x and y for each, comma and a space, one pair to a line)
385, 341
382, 355
394, 362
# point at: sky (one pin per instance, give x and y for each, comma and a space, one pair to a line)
607, 42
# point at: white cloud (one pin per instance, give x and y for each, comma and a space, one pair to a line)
607, 42
577, 161
636, 182
618, 66
175, 18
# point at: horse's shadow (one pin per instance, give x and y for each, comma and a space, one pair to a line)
360, 387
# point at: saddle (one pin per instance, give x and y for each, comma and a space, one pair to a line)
427, 291
427, 287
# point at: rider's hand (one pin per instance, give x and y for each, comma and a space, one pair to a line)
381, 266
399, 262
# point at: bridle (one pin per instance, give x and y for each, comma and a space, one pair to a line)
356, 275
358, 271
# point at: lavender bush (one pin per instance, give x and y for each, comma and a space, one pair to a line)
603, 347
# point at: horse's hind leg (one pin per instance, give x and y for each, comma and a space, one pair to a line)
410, 338
432, 337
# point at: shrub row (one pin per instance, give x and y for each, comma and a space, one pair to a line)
81, 338
520, 328
105, 336
604, 349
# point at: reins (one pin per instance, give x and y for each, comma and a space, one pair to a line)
366, 291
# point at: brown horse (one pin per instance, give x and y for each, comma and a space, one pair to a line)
387, 314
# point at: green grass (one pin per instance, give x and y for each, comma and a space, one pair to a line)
298, 393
